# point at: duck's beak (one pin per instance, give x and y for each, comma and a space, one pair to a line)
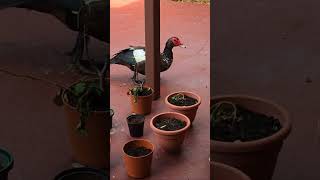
183, 46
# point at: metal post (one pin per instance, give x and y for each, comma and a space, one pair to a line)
152, 38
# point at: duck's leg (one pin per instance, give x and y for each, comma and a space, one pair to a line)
134, 77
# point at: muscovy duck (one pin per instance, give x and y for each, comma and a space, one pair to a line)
67, 11
134, 57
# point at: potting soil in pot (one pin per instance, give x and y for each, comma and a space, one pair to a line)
231, 122
182, 100
169, 124
137, 151
135, 119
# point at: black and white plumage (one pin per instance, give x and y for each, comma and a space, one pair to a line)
134, 57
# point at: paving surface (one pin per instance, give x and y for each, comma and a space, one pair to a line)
190, 71
271, 49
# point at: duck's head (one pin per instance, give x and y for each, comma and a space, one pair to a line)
174, 42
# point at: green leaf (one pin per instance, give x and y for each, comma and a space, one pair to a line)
79, 88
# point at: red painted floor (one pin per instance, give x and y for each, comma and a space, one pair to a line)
269, 49
190, 71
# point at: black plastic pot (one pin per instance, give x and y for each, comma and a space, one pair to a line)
82, 174
135, 124
6, 164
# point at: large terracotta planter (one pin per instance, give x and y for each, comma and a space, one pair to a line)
170, 141
6, 164
138, 167
82, 174
189, 111
142, 105
255, 158
220, 171
93, 149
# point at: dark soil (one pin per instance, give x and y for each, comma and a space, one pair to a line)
179, 100
135, 119
169, 124
247, 126
137, 151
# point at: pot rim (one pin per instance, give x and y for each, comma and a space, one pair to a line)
170, 133
72, 171
230, 168
142, 121
279, 136
9, 165
147, 96
145, 140
183, 107
74, 108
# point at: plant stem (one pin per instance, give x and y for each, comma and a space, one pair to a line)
30, 77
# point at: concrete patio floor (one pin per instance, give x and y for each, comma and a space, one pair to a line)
190, 71
270, 49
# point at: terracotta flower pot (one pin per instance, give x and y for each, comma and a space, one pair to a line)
82, 174
92, 149
256, 158
170, 141
138, 167
142, 104
189, 111
220, 171
6, 164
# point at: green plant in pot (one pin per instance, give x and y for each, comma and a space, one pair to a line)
89, 119
88, 114
141, 98
246, 131
184, 102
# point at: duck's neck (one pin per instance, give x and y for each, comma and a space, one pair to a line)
167, 57
167, 52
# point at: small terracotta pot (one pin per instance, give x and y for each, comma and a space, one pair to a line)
143, 105
170, 141
6, 164
255, 158
93, 149
135, 125
138, 167
82, 174
189, 111
220, 171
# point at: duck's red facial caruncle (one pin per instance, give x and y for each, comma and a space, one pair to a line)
176, 42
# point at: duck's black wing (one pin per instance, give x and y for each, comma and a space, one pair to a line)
128, 57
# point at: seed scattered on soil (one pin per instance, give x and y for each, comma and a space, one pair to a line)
182, 100
137, 151
169, 124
